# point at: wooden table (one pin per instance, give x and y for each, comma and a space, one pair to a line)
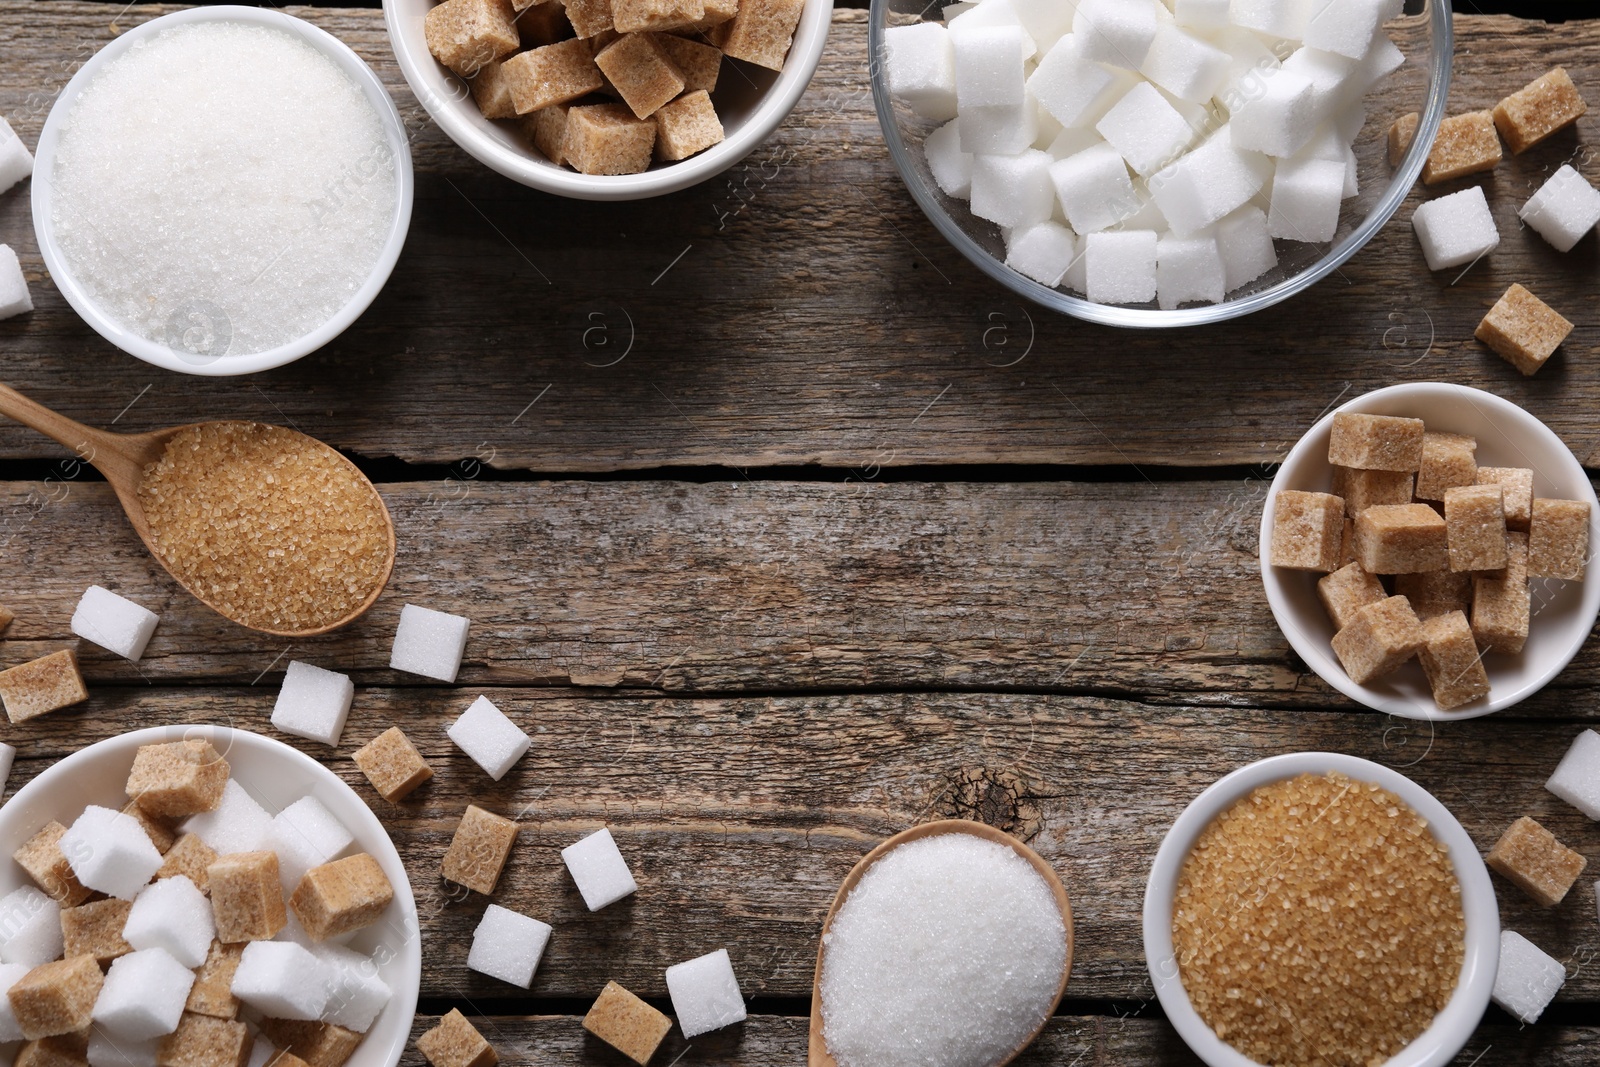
782, 529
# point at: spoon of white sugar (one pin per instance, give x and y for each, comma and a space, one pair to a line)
949, 945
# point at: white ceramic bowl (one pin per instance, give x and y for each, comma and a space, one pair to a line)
276, 776
750, 108
1450, 1029
1563, 612
198, 363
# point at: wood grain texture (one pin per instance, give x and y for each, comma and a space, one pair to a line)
815, 316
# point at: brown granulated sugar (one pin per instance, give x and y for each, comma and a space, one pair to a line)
1318, 923
277, 531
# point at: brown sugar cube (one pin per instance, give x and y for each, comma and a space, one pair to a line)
1435, 593
1375, 442
41, 686
56, 998
1401, 134
608, 139
247, 896
478, 851
1402, 539
212, 992
47, 865
1475, 526
698, 63
390, 761
95, 929
686, 126
1558, 539
554, 74
760, 33
160, 834
1307, 531
635, 16
67, 1050
1362, 489
177, 779
640, 71
1346, 591
1448, 460
1382, 637
5, 618
627, 1023
456, 1043
1466, 144
205, 1041
547, 129
718, 13
1347, 544
190, 857
1516, 483
338, 897
544, 23
1530, 858
1523, 330
466, 34
589, 18
318, 1044
490, 92
1501, 602
1532, 113
1451, 661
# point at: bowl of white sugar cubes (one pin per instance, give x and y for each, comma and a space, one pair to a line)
207, 896
222, 190
1152, 163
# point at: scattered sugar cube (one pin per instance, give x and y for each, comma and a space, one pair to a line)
1565, 208
1145, 127
178, 778
106, 1051
1455, 230
1043, 252
1307, 531
95, 929
1547, 104
236, 824
1517, 483
30, 927
1068, 84
1093, 188
1120, 268
479, 849
1209, 183
1188, 268
1501, 603
627, 1023
1363, 488
1013, 191
41, 686
1379, 640
1375, 442
1558, 539
202, 1041
190, 857
1527, 979
599, 870
114, 623
1118, 32
16, 162
1577, 777
429, 643
314, 1042
705, 994
392, 764
456, 1043
42, 858
1530, 857
1184, 65
1305, 200
212, 992
172, 914
1246, 247
340, 897
761, 32
282, 980
1466, 144
608, 139
313, 703
246, 897
921, 66
466, 34
1523, 330
305, 835
14, 296
143, 995
110, 853
56, 998
1401, 133
998, 131
507, 945
687, 125
1451, 661
1401, 538
356, 993
1346, 591
1475, 523
1447, 462
494, 742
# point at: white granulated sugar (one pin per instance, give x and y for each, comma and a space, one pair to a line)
223, 188
947, 953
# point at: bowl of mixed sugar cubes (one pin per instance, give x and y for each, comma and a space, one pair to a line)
1157, 162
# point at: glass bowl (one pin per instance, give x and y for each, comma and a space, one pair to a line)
1421, 84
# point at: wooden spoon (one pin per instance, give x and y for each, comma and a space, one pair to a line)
819, 1056
123, 457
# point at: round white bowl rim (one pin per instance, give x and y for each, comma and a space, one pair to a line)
1450, 1029
1321, 659
805, 53
1401, 182
161, 355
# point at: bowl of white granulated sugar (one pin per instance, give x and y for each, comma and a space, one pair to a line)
222, 190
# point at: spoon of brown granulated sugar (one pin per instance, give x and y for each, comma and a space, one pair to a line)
271, 528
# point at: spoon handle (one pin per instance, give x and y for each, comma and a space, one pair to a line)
83, 440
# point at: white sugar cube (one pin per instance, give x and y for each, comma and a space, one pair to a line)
16, 162
1068, 84
1276, 18
1120, 267
1527, 979
1305, 200
705, 993
8, 756
1455, 230
281, 980
1146, 129
1077, 274
1382, 59
1074, 139
143, 995
1094, 188
1249, 62
113, 622
1577, 777
107, 1051
1118, 32
1563, 210
305, 835
429, 643
1344, 27
507, 945
262, 1052
1045, 20
30, 927
988, 66
1184, 65
1279, 119
494, 742
110, 853
10, 975
1201, 14
1013, 191
921, 68
1049, 128
1043, 252
989, 14
313, 703
599, 870
1329, 76
14, 297
1209, 183
357, 994
999, 131
950, 166
172, 914
236, 824
1188, 269
1146, 212
1246, 247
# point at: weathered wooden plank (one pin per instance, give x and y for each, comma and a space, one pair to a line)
740, 817
815, 316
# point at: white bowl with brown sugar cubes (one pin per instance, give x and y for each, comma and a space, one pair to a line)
1424, 551
608, 99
